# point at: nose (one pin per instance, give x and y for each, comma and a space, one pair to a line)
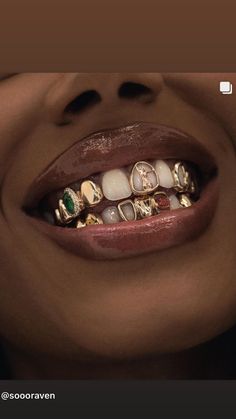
74, 94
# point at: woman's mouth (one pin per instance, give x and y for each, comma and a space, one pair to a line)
125, 192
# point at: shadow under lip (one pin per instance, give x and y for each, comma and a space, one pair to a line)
116, 148
129, 239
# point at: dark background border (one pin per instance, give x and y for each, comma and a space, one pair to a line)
124, 35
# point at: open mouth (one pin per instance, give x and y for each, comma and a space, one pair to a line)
125, 192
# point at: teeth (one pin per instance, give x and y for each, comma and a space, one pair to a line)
185, 201
115, 185
80, 224
181, 177
63, 215
162, 201
91, 193
127, 210
92, 219
143, 178
143, 182
144, 207
174, 203
72, 202
164, 173
110, 215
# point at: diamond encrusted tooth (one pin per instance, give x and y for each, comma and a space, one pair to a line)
91, 193
127, 210
48, 216
92, 219
143, 178
181, 177
185, 201
73, 202
144, 207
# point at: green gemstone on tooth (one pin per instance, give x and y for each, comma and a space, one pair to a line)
69, 203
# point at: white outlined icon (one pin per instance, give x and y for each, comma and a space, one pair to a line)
226, 88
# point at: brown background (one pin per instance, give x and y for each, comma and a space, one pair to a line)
93, 35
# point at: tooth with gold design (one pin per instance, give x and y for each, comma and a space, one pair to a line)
144, 207
70, 206
185, 201
143, 178
92, 219
127, 210
73, 202
181, 177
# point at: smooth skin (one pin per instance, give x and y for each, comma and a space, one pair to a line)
67, 317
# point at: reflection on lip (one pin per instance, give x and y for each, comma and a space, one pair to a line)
114, 148
119, 147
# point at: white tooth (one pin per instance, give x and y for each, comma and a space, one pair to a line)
165, 175
49, 217
115, 185
174, 202
111, 215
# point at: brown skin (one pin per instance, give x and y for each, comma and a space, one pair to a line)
63, 316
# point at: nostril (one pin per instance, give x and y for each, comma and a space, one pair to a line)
82, 102
131, 90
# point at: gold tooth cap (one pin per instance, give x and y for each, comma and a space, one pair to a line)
92, 219
185, 201
144, 206
181, 177
80, 224
64, 214
91, 193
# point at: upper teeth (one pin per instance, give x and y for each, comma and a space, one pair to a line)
164, 173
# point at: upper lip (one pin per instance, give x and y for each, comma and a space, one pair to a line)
114, 148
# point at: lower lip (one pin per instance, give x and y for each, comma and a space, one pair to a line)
129, 239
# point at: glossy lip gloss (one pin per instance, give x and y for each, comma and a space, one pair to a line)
116, 148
